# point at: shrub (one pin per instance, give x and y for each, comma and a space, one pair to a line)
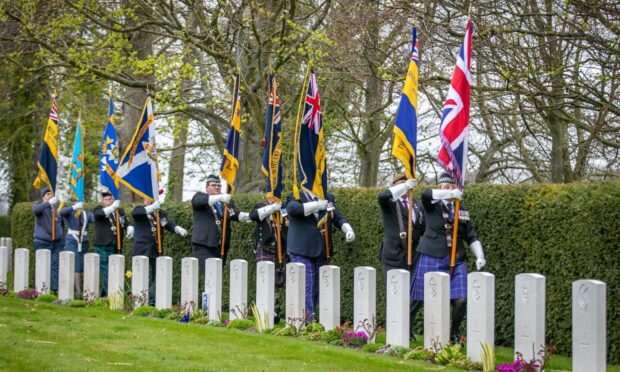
240, 324
47, 298
372, 348
77, 303
147, 311
420, 353
28, 294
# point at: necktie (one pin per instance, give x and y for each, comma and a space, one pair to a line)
450, 211
405, 203
218, 207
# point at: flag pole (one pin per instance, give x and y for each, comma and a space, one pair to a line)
297, 129
457, 206
158, 232
54, 191
118, 232
278, 215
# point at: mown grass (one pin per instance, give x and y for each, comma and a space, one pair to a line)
42, 336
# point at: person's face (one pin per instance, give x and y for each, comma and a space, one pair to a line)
447, 186
107, 200
47, 196
213, 188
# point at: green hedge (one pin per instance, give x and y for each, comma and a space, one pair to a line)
565, 232
5, 225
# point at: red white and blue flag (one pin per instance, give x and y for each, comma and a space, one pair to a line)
312, 155
453, 131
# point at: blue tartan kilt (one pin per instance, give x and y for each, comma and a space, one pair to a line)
426, 264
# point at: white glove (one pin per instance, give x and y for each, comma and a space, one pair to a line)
152, 207
476, 248
348, 232
129, 234
181, 231
224, 198
244, 217
53, 200
77, 206
109, 210
267, 210
315, 206
400, 189
447, 194
116, 204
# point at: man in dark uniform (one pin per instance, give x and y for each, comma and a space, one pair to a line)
106, 234
43, 231
208, 212
394, 204
305, 239
77, 221
436, 245
266, 242
145, 238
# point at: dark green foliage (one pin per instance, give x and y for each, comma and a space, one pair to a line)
47, 298
565, 232
5, 225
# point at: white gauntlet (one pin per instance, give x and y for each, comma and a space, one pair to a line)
439, 194
476, 248
315, 206
348, 232
224, 198
267, 210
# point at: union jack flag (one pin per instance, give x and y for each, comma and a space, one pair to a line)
453, 131
414, 52
312, 115
311, 157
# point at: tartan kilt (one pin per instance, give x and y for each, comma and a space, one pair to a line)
266, 253
426, 264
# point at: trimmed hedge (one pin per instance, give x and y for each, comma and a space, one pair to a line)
5, 225
565, 232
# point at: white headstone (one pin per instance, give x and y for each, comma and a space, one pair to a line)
20, 278
265, 290
295, 294
189, 281
4, 264
480, 313
365, 300
8, 242
140, 280
91, 274
116, 279
213, 287
589, 326
397, 312
42, 270
66, 275
329, 296
163, 282
529, 314
436, 309
238, 300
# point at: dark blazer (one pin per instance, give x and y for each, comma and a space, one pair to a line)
393, 253
205, 231
104, 227
144, 239
304, 237
262, 232
434, 242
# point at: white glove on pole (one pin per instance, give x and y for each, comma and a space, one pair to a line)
476, 248
400, 189
224, 198
244, 217
447, 194
181, 231
109, 210
348, 232
315, 206
129, 234
77, 206
267, 210
152, 207
53, 200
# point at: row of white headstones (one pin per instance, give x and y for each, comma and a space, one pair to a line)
589, 299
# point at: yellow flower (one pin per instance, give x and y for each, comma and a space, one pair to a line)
128, 274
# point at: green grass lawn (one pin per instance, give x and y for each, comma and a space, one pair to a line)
36, 335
